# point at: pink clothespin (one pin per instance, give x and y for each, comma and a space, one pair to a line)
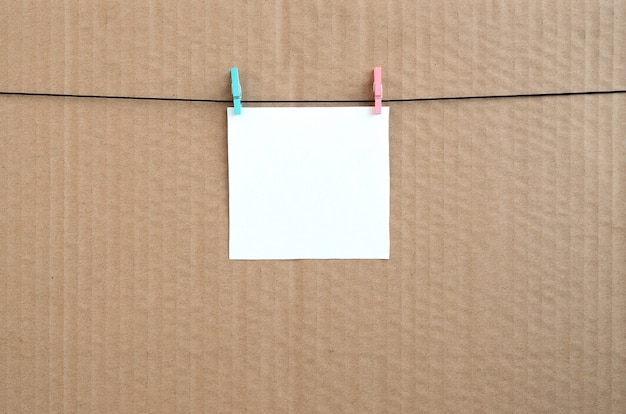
378, 90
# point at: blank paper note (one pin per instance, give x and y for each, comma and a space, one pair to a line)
308, 183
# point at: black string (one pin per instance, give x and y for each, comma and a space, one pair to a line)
139, 98
445, 98
520, 95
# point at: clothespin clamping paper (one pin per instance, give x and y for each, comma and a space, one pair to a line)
236, 87
378, 90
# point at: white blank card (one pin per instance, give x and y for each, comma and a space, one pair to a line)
308, 183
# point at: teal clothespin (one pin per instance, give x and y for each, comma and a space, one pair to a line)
236, 87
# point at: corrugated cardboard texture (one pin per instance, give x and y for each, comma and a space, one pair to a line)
506, 290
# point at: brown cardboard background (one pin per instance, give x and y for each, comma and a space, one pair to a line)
506, 291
